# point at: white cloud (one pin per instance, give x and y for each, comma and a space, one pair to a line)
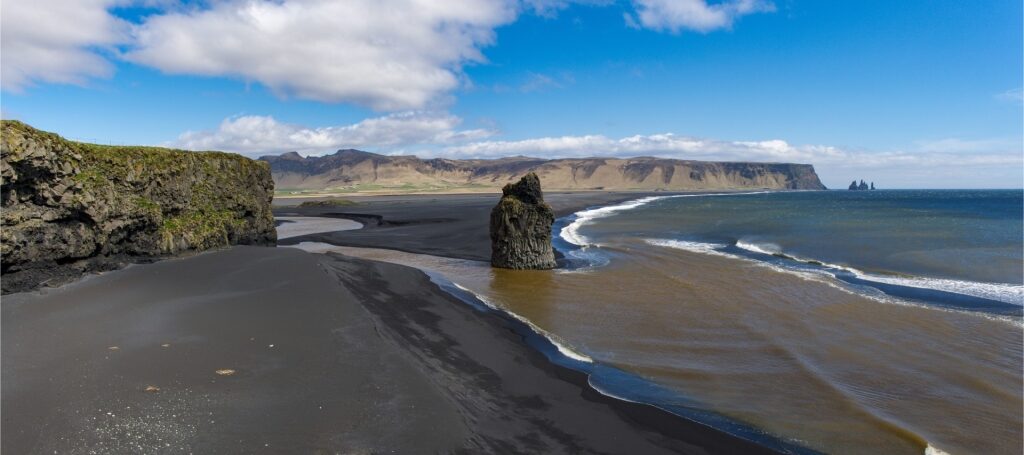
950, 162
935, 164
255, 134
56, 41
663, 145
390, 55
697, 15
962, 146
1014, 95
550, 8
385, 54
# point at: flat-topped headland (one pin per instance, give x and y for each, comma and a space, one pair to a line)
354, 171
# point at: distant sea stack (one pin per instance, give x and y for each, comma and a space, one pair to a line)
854, 186
355, 170
70, 207
521, 227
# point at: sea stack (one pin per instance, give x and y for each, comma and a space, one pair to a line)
521, 227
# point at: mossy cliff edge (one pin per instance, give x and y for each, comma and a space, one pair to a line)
71, 207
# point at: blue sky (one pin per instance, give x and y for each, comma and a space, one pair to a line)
908, 93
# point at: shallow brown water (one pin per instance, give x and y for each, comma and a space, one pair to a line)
796, 356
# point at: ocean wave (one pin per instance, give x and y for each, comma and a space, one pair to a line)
570, 233
1002, 292
763, 248
932, 450
695, 247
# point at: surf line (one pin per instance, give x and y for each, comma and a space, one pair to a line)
570, 233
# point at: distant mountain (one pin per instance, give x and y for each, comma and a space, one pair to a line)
356, 169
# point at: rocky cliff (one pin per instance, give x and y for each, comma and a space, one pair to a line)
71, 207
521, 227
354, 170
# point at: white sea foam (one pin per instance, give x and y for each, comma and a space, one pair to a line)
763, 248
1007, 293
605, 392
1003, 292
558, 343
571, 232
695, 247
931, 450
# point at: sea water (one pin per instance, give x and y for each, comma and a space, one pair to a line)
841, 322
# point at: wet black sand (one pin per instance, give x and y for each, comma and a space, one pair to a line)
330, 354
442, 225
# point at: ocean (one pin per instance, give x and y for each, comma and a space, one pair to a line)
825, 321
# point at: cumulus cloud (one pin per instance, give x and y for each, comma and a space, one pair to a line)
938, 163
942, 163
253, 134
945, 163
698, 15
57, 41
385, 54
668, 145
1015, 95
660, 145
390, 55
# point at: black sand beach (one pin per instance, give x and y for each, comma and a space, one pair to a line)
328, 354
442, 225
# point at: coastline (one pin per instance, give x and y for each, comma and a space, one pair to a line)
427, 357
420, 323
578, 367
565, 221
453, 226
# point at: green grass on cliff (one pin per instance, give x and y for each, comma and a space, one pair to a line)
190, 196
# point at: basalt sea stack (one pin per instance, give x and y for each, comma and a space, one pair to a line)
521, 227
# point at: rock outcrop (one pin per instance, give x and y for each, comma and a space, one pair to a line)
521, 227
354, 170
861, 187
71, 207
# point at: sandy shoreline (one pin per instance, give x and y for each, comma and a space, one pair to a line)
330, 353
453, 226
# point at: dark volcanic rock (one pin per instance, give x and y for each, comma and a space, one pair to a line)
854, 186
521, 227
70, 207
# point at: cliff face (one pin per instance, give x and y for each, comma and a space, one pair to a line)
70, 207
356, 170
521, 227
